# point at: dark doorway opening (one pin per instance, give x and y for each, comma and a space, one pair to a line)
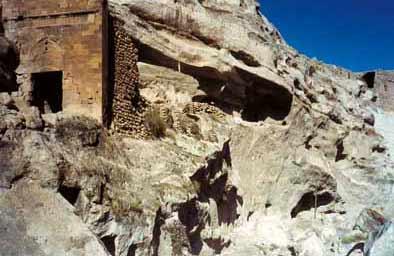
369, 78
109, 243
48, 91
69, 193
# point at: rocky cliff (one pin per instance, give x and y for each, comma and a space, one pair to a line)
254, 149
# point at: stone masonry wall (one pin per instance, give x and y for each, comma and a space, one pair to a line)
129, 107
61, 35
38, 8
385, 90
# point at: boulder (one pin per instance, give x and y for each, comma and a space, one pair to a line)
50, 119
6, 100
33, 118
35, 221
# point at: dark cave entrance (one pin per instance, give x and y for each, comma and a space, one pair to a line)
268, 101
71, 194
311, 200
369, 78
255, 97
48, 91
109, 243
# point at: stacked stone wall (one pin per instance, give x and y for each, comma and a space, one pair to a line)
197, 107
129, 107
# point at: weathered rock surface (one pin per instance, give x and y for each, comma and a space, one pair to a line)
39, 222
385, 244
193, 37
263, 151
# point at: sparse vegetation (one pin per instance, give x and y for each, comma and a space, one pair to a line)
155, 123
312, 70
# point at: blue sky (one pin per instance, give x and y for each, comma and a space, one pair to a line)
355, 34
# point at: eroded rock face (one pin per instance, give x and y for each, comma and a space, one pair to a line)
262, 151
192, 36
40, 222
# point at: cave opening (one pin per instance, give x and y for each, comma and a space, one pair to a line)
311, 200
268, 101
369, 78
48, 91
71, 194
245, 58
254, 97
132, 250
109, 243
340, 151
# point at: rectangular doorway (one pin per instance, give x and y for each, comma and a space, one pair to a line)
48, 91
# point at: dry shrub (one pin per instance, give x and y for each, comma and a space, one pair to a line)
155, 123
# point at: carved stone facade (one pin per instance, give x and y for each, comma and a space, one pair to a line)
63, 48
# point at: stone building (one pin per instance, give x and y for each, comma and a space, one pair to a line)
63, 53
382, 83
385, 89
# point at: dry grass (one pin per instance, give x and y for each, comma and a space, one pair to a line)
155, 123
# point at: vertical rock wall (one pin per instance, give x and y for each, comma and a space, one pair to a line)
128, 106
